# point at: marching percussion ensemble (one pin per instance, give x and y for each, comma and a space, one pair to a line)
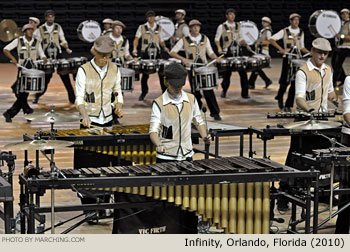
152, 166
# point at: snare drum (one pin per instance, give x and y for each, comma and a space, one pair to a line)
161, 64
206, 78
297, 63
89, 31
148, 66
64, 67
324, 23
32, 81
264, 60
127, 77
239, 63
48, 67
253, 64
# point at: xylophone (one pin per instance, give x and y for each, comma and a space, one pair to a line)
232, 193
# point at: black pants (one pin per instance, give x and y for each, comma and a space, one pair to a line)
162, 217
254, 76
20, 103
144, 84
343, 221
284, 82
342, 74
209, 96
338, 67
67, 83
226, 78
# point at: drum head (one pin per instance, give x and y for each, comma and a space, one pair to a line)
250, 32
167, 25
328, 24
89, 31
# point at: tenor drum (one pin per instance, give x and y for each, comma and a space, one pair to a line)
127, 77
264, 59
297, 63
148, 66
174, 60
76, 62
167, 25
161, 64
48, 67
32, 81
250, 32
64, 67
89, 31
206, 78
253, 64
136, 66
224, 65
239, 63
324, 23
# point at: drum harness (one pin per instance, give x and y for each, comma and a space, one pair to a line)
152, 49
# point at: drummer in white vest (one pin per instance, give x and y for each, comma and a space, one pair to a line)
151, 38
28, 49
181, 28
52, 40
262, 46
121, 53
107, 26
343, 221
293, 40
343, 47
197, 46
231, 35
35, 23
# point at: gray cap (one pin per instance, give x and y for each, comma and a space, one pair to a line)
322, 44
183, 12
107, 21
294, 15
176, 74
104, 44
345, 10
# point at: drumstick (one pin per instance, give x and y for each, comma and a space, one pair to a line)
211, 62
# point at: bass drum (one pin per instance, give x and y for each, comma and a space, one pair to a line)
168, 27
89, 31
324, 23
250, 32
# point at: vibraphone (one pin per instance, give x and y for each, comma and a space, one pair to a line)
232, 193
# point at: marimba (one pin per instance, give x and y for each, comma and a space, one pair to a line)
232, 193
